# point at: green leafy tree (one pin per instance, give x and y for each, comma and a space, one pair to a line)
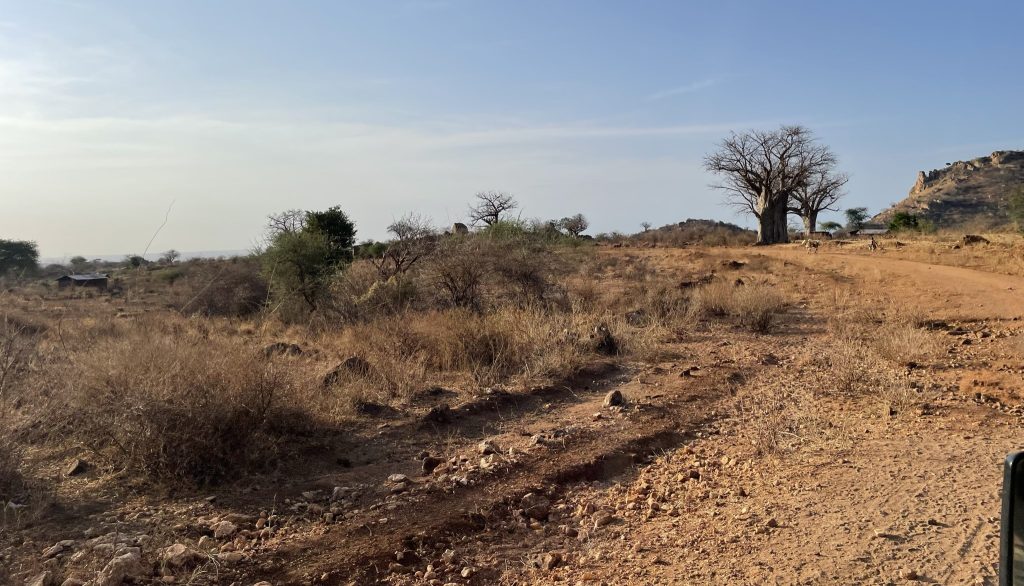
338, 231
831, 226
18, 256
79, 263
855, 218
1016, 206
903, 221
301, 259
299, 264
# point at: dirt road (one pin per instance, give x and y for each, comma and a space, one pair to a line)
669, 490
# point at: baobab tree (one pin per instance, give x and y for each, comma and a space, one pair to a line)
574, 225
762, 170
821, 192
490, 206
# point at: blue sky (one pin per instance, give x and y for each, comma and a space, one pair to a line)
110, 111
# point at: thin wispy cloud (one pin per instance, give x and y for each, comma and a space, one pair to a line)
689, 88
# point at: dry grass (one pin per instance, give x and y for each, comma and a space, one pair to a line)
755, 306
167, 401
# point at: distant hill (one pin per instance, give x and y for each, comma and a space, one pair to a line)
691, 231
964, 194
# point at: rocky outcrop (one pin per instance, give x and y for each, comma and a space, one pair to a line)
970, 193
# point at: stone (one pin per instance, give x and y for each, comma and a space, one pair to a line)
206, 543
353, 366
488, 447
550, 561
398, 479
602, 518
614, 398
58, 548
121, 568
43, 579
224, 529
430, 463
535, 506
75, 467
230, 557
439, 414
179, 556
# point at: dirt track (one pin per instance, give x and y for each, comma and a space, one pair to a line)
907, 499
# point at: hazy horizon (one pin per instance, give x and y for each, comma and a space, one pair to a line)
111, 111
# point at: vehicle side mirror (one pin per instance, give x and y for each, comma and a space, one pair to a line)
1011, 534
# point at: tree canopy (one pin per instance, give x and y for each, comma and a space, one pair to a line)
18, 256
762, 170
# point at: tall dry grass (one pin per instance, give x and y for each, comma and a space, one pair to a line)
169, 402
755, 306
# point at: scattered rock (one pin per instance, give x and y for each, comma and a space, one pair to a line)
614, 398
230, 557
353, 365
535, 506
44, 579
206, 543
75, 467
488, 447
429, 463
58, 548
179, 556
224, 529
398, 479
440, 414
602, 518
550, 561
123, 567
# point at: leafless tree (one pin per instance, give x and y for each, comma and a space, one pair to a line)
645, 225
286, 221
490, 206
414, 239
761, 170
821, 192
574, 225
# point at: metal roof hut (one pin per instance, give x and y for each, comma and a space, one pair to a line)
95, 280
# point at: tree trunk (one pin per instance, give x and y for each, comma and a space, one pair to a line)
810, 223
772, 228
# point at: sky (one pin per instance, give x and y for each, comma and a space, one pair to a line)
115, 115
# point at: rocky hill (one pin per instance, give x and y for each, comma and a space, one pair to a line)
965, 194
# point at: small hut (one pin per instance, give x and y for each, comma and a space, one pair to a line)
94, 280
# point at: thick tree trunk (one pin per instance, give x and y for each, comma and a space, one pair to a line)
810, 222
772, 228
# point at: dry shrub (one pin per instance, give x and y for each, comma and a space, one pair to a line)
232, 288
12, 484
525, 346
178, 405
903, 343
781, 413
757, 306
714, 299
754, 305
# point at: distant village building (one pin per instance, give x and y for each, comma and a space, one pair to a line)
95, 280
870, 230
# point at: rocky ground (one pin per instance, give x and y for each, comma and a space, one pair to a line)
732, 458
